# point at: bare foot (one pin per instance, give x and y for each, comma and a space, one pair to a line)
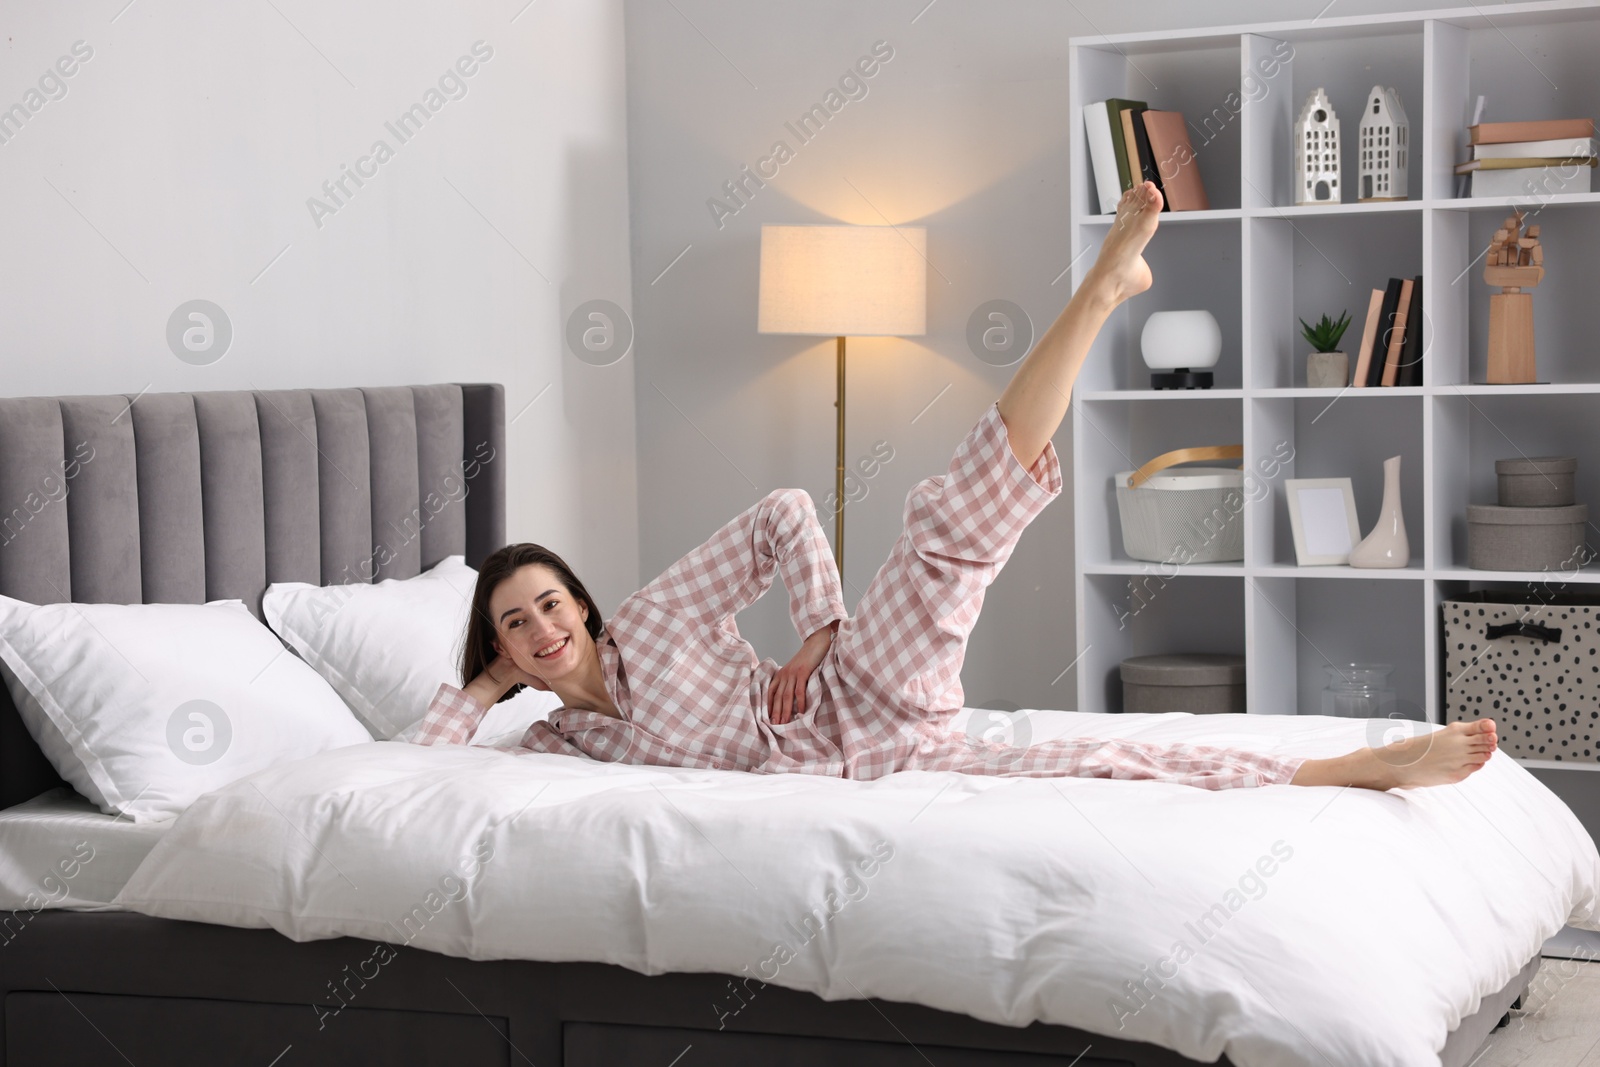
1120, 266
1441, 757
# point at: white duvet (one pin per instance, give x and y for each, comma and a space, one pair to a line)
1281, 926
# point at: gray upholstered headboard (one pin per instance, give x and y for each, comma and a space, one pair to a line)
189, 497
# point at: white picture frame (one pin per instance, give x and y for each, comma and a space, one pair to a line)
1322, 514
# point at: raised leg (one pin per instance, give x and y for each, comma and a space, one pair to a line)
1037, 398
899, 656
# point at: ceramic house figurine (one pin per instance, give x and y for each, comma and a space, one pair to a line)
1385, 147
1316, 152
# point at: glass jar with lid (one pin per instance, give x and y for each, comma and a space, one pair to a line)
1359, 691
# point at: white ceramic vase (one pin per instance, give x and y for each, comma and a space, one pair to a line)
1386, 545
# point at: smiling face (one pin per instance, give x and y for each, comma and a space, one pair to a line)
532, 614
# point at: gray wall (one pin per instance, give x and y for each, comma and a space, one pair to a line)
179, 163
964, 131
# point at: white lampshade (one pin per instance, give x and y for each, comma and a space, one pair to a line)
1181, 339
844, 281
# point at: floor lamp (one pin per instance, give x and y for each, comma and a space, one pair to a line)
838, 281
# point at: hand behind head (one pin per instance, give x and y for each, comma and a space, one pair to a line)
504, 670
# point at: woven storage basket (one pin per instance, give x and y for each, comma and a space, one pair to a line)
1192, 516
1530, 664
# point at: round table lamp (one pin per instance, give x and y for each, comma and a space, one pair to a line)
1180, 347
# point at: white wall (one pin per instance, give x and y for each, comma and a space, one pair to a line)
179, 163
964, 131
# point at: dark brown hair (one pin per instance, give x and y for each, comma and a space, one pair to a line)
477, 650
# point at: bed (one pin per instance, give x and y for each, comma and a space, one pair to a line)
203, 944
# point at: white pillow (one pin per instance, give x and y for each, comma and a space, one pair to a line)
144, 707
386, 646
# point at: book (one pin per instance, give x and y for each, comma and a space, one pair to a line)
1129, 149
1531, 181
1175, 160
1114, 109
1539, 130
1397, 334
1102, 155
1380, 344
1140, 158
1369, 334
1411, 354
1559, 148
1525, 163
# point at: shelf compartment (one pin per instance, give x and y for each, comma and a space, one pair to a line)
1309, 437
1147, 615
1460, 304
1536, 65
1346, 64
1198, 76
1310, 265
1471, 432
1194, 266
1109, 438
1299, 627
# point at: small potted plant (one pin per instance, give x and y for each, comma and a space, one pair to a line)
1326, 367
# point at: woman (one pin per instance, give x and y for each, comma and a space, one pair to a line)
669, 680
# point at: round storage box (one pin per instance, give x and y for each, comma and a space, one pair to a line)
1525, 539
1541, 482
1199, 682
1189, 516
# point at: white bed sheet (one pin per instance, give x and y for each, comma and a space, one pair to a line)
1322, 925
60, 851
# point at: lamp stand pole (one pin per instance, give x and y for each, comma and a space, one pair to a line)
838, 472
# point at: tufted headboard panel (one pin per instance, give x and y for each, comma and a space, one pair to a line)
190, 497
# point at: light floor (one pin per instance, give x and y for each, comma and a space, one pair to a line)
1558, 1024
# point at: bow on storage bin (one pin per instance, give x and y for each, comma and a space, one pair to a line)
1523, 629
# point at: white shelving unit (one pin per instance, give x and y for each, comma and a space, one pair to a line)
1260, 264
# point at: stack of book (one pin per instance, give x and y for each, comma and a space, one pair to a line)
1530, 158
1130, 143
1392, 342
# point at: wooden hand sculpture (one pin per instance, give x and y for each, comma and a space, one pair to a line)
1516, 260
1515, 263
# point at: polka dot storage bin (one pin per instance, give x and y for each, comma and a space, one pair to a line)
1532, 665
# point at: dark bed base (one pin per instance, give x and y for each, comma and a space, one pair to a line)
119, 987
